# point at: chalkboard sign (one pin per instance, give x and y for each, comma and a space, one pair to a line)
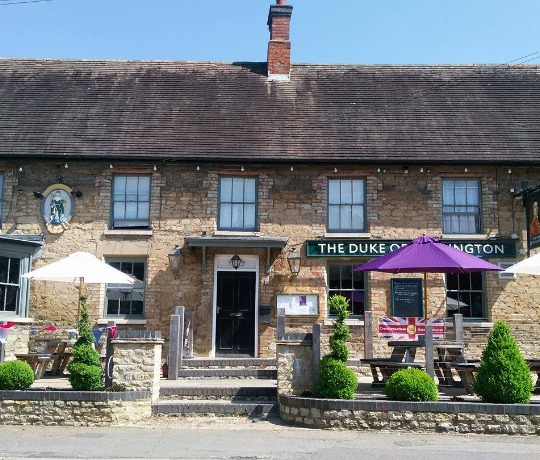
407, 298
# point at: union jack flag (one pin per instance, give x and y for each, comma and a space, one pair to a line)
400, 328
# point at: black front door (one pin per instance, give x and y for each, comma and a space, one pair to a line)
235, 318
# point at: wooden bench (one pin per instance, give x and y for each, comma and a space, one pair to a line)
383, 368
37, 361
467, 374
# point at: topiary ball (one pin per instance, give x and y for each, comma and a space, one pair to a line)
336, 380
411, 385
16, 375
503, 376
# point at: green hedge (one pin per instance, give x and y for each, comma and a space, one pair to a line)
16, 375
411, 385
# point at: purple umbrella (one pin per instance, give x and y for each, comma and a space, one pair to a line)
427, 255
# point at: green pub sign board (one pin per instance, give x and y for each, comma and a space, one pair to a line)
500, 249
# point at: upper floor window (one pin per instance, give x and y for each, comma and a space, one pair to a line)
237, 203
131, 201
342, 280
461, 206
126, 299
465, 294
346, 205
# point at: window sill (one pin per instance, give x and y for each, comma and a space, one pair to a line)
348, 235
348, 322
236, 233
463, 236
124, 232
133, 322
475, 323
16, 319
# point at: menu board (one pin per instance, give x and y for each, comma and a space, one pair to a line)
407, 298
299, 304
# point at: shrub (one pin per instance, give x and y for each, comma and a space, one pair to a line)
16, 375
411, 385
336, 380
503, 376
83, 377
85, 371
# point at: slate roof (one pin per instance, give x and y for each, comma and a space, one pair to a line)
185, 111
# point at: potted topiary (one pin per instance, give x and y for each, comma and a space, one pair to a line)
85, 369
336, 380
16, 375
503, 375
411, 385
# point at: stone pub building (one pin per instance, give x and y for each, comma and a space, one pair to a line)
243, 169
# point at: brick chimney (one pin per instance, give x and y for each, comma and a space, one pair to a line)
279, 46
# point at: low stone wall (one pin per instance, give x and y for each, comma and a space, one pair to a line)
455, 417
74, 408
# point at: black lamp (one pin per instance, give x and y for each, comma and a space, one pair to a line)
236, 262
175, 260
294, 259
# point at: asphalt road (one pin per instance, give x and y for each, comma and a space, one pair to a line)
244, 440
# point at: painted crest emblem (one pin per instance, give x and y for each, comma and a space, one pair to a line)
57, 207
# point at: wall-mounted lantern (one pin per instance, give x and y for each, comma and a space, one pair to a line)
175, 260
236, 262
294, 259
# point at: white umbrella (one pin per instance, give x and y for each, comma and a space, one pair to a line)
82, 267
529, 266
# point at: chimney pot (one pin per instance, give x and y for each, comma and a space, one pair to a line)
281, 2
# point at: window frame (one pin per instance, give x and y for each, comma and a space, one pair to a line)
116, 287
363, 204
255, 203
331, 291
477, 215
122, 224
16, 251
470, 292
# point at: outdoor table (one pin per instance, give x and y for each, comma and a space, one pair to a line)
58, 351
402, 357
405, 349
37, 361
534, 366
448, 355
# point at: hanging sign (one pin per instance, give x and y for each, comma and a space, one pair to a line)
57, 207
533, 220
408, 328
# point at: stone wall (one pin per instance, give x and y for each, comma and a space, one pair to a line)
294, 368
442, 417
291, 204
73, 408
137, 364
17, 342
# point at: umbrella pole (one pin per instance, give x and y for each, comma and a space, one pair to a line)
425, 295
81, 280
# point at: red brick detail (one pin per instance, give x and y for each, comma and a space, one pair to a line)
280, 28
279, 57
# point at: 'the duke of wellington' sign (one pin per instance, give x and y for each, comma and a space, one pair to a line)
500, 249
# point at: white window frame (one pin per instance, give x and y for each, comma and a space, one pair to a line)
462, 211
139, 287
140, 200
345, 204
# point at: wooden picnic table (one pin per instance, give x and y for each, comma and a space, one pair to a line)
38, 362
447, 356
402, 357
59, 351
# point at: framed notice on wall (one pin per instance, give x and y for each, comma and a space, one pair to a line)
299, 304
407, 297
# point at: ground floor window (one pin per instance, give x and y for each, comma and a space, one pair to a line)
10, 268
465, 294
126, 300
342, 280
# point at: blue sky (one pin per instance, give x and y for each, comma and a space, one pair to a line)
339, 31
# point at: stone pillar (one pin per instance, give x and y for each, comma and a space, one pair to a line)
294, 368
137, 364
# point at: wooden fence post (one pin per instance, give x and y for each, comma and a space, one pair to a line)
430, 366
368, 334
